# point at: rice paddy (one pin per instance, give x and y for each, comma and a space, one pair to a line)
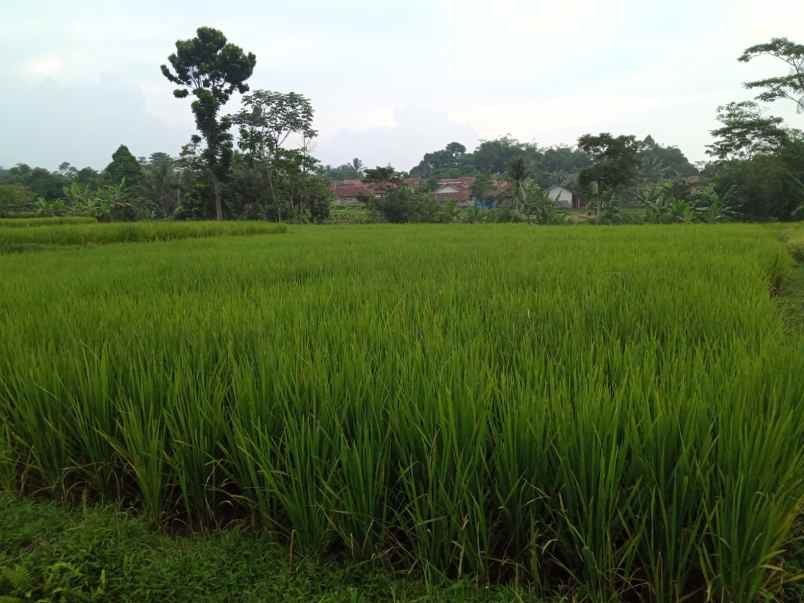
611, 409
42, 234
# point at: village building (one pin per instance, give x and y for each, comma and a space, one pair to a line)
565, 198
447, 190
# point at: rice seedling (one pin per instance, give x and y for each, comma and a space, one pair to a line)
616, 409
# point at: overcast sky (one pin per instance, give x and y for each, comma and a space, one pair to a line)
389, 80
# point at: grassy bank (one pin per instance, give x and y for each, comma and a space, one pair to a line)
37, 237
584, 410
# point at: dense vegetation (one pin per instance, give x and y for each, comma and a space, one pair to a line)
52, 552
616, 410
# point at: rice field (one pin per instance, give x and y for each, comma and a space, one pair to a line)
19, 235
53, 221
600, 410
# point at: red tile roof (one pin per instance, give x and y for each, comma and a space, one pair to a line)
462, 193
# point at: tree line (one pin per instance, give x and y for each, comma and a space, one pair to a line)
755, 171
266, 171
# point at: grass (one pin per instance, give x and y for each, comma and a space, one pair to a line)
610, 412
101, 554
33, 237
56, 221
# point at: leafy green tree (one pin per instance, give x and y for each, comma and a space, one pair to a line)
160, 183
482, 187
560, 166
537, 205
382, 175
764, 187
123, 168
42, 182
494, 156
448, 162
265, 122
15, 199
657, 163
396, 205
346, 171
211, 69
746, 132
615, 162
790, 86
308, 195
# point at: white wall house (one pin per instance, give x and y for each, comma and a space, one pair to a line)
561, 196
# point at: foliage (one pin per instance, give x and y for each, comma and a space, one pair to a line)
537, 205
404, 204
482, 187
347, 171
494, 156
382, 174
476, 402
212, 69
657, 163
15, 199
395, 205
161, 184
289, 175
62, 582
446, 163
710, 207
141, 566
106, 202
790, 86
746, 132
269, 118
41, 182
662, 206
615, 163
351, 214
123, 168
765, 187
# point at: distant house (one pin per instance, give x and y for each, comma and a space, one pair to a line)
565, 198
447, 190
348, 192
455, 190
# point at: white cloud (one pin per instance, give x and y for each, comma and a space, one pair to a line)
393, 80
415, 131
46, 66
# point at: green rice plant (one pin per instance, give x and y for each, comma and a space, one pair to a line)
55, 221
301, 479
757, 491
82, 234
612, 412
196, 423
360, 514
8, 461
142, 446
